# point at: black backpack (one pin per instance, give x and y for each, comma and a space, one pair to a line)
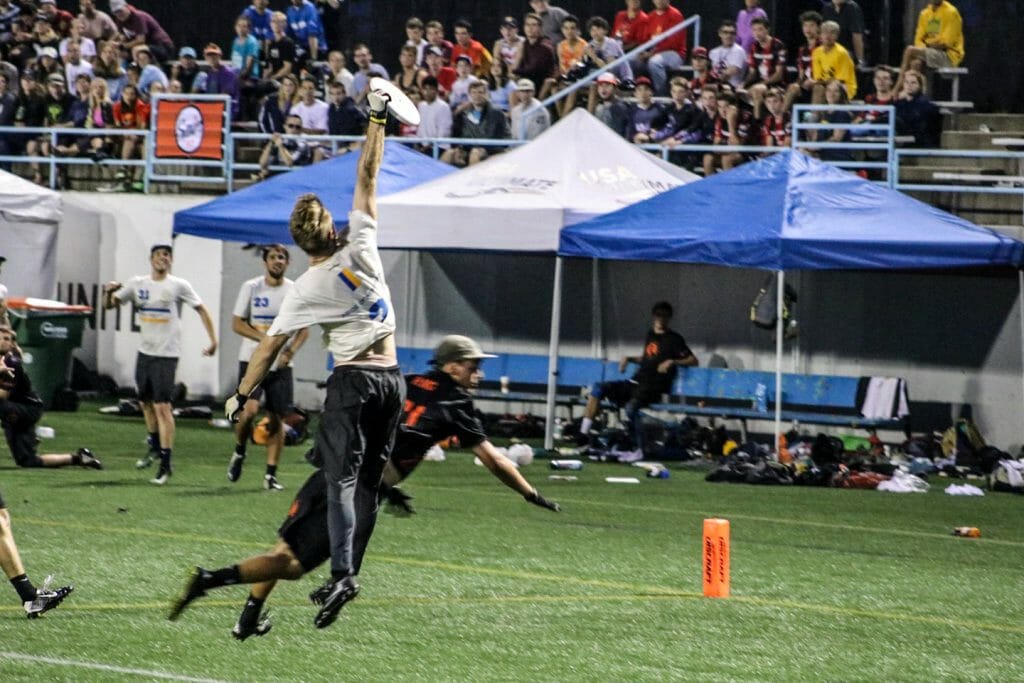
762, 311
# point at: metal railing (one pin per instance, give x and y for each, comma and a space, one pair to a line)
877, 140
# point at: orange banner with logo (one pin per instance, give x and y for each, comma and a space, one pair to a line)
189, 130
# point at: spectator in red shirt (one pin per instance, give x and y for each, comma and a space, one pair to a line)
668, 54
435, 36
58, 18
465, 44
630, 26
803, 88
130, 112
445, 75
766, 63
140, 28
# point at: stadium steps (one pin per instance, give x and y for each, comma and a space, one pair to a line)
982, 209
977, 139
1000, 124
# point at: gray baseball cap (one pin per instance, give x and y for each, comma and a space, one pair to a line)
456, 347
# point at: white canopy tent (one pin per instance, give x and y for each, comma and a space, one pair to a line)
519, 201
28, 236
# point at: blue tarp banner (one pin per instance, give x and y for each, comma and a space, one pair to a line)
790, 212
259, 214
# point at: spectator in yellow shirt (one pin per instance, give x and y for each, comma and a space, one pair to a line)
830, 60
939, 40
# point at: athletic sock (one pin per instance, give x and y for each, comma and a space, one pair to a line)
251, 611
585, 426
76, 458
165, 457
228, 576
154, 441
240, 448
26, 591
271, 470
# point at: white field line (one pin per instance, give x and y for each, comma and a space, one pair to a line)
75, 664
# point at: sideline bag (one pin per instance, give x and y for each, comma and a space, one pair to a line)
762, 311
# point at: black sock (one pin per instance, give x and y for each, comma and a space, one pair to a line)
271, 470
154, 441
165, 457
26, 591
76, 458
251, 611
228, 576
240, 447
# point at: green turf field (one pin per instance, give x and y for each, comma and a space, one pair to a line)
480, 586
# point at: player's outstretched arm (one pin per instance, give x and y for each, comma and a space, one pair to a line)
503, 469
365, 196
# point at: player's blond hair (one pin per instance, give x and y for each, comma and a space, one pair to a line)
312, 227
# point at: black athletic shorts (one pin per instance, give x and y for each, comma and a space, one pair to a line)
305, 528
3, 505
277, 389
154, 377
623, 391
20, 431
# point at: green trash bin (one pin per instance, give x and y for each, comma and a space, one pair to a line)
48, 332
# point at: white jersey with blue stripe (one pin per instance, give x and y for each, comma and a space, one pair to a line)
346, 295
258, 304
158, 304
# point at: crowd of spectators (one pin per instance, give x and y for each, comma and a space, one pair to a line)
100, 69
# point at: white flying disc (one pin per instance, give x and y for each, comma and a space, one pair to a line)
399, 104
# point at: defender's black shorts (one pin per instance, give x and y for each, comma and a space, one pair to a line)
3, 505
305, 528
19, 421
277, 389
154, 377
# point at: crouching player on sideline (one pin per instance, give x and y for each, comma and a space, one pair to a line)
437, 407
34, 600
21, 409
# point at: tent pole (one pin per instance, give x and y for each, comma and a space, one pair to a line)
1020, 280
556, 322
779, 329
597, 319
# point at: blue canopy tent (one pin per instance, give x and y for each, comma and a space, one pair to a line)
260, 213
790, 211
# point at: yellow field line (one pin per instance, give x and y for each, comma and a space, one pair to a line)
755, 518
789, 605
637, 592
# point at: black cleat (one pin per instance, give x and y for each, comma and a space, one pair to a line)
235, 466
198, 580
256, 627
331, 597
46, 599
162, 475
147, 460
87, 459
271, 483
399, 502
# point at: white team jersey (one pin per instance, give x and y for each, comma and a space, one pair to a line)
3, 292
346, 295
158, 303
258, 303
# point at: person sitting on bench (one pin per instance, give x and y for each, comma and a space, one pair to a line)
664, 349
